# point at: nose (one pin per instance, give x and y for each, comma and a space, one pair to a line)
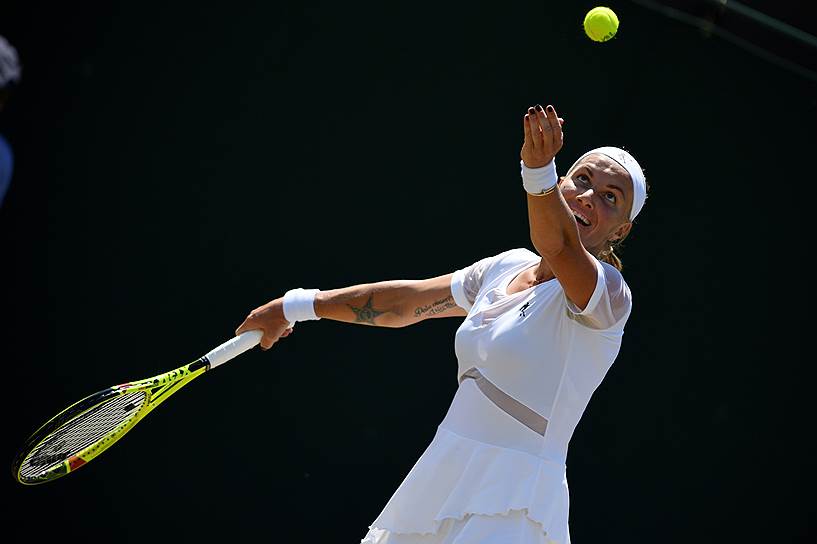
586, 198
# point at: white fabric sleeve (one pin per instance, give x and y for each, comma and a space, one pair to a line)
610, 302
466, 282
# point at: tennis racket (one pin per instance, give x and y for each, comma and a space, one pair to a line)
87, 428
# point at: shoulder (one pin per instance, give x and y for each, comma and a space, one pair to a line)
504, 260
614, 278
618, 295
517, 256
510, 259
493, 266
609, 306
610, 271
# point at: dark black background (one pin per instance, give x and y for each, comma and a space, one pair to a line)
178, 166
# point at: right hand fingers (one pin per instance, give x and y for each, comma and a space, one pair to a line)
271, 334
270, 320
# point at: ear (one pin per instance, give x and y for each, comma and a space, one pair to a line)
621, 232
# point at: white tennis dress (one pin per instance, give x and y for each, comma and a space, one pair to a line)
495, 470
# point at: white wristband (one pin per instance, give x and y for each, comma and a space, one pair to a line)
299, 305
539, 180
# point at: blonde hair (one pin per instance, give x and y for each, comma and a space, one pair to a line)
609, 256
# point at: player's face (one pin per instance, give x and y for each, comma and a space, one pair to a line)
600, 193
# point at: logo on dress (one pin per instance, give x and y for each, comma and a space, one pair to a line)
523, 308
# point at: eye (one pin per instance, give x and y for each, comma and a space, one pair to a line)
584, 180
611, 197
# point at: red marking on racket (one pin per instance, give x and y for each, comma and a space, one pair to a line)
75, 462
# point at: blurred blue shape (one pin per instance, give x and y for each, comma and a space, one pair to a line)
6, 167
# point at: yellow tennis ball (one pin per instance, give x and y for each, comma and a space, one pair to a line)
600, 24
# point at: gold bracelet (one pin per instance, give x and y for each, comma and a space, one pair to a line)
546, 192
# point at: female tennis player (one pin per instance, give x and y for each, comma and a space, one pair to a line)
540, 333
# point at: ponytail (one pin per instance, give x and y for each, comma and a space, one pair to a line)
609, 256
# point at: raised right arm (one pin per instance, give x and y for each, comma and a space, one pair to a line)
396, 303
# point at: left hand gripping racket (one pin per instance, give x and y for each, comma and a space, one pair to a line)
87, 428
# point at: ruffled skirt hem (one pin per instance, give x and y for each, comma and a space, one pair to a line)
511, 527
458, 479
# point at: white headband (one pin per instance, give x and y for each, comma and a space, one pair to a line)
631, 165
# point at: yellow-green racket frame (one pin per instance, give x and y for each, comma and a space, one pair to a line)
156, 390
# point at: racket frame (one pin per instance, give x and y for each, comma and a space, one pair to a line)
157, 389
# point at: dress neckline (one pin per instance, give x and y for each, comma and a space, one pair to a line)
507, 283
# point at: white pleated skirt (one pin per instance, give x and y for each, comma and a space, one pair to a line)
515, 527
484, 479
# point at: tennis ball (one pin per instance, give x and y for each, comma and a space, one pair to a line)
600, 24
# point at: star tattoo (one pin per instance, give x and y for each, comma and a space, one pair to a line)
367, 314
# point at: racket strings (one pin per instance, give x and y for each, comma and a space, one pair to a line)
80, 433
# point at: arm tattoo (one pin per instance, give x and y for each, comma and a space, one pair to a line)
367, 314
436, 307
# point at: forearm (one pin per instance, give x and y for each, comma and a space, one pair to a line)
378, 304
552, 225
395, 303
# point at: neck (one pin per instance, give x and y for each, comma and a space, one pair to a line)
542, 272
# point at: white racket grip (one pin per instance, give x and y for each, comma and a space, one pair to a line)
234, 347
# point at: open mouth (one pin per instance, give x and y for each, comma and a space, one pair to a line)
581, 219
